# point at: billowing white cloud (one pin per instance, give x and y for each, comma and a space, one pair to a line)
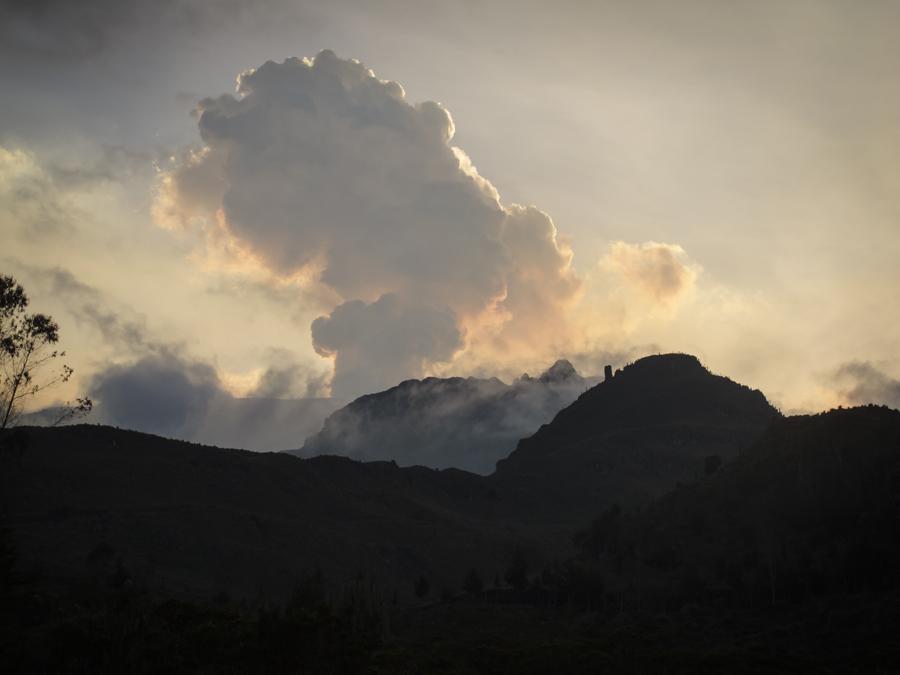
661, 273
320, 170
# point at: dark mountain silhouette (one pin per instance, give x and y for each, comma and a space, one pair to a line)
196, 519
781, 555
467, 423
810, 510
632, 438
784, 560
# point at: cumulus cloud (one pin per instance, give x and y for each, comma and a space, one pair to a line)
318, 168
286, 377
398, 340
861, 382
659, 272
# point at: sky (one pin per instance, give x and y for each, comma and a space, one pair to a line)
294, 199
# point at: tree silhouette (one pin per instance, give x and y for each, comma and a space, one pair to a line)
421, 587
711, 464
473, 583
517, 572
27, 350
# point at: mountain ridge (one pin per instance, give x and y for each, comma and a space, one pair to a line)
632, 437
200, 520
809, 509
469, 423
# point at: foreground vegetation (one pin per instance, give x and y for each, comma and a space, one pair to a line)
122, 631
785, 560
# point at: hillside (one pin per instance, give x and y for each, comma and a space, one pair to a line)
197, 520
466, 423
810, 510
783, 558
632, 438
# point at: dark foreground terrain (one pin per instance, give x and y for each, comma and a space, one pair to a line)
685, 529
125, 632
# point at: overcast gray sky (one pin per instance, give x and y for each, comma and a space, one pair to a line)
718, 178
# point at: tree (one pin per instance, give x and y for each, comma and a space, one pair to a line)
517, 572
473, 583
27, 354
711, 464
421, 587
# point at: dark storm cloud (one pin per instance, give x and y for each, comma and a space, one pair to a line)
164, 393
171, 394
860, 382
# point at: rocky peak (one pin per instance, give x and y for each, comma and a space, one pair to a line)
561, 371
